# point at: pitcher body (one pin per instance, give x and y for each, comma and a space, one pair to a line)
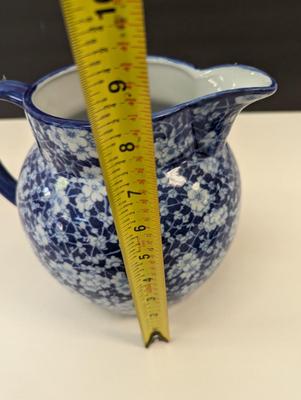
62, 199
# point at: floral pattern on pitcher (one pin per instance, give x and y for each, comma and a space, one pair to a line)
64, 207
61, 195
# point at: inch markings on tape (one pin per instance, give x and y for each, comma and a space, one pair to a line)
108, 41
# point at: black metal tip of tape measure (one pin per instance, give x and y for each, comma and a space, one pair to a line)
156, 335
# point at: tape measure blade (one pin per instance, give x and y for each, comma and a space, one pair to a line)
108, 42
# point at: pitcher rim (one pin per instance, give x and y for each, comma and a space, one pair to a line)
40, 115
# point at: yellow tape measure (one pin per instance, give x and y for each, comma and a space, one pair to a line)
108, 42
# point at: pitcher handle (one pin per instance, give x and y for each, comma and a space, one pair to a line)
12, 91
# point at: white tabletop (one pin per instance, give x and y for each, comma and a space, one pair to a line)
237, 337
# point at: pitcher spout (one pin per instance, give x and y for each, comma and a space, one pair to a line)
225, 91
193, 109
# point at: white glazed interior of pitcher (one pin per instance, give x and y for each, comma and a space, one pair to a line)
171, 83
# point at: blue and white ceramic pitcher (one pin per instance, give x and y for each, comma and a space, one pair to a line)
61, 195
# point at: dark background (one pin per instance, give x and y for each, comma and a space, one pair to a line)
262, 33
